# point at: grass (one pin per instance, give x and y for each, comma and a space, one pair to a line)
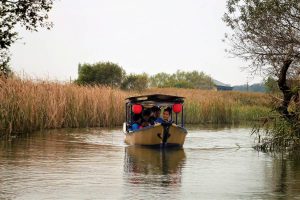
28, 105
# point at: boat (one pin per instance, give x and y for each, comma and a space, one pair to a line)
163, 134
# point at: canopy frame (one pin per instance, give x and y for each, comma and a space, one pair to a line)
148, 101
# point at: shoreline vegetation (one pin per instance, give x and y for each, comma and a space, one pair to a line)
28, 106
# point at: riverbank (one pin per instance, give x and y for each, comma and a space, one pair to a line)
28, 105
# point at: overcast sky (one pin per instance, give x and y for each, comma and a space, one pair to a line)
140, 35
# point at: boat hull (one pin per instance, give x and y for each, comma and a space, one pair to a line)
156, 136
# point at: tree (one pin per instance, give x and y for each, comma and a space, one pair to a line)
101, 73
30, 14
137, 82
267, 33
182, 79
86, 74
161, 80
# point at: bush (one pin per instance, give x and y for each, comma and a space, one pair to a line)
101, 73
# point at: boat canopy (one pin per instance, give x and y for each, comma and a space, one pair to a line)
148, 101
155, 99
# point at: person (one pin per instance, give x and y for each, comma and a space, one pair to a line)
146, 121
155, 113
136, 122
165, 117
166, 114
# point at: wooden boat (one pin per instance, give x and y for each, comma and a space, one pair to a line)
166, 133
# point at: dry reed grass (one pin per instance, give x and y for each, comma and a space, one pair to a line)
207, 106
27, 106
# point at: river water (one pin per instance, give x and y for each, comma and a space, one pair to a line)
215, 163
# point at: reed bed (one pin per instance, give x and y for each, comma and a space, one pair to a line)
28, 105
207, 106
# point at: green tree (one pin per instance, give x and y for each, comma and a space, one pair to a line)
101, 73
161, 80
86, 74
194, 79
137, 82
182, 79
30, 14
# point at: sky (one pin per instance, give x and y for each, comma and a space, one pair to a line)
139, 35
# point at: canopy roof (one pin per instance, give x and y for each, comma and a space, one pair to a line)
155, 98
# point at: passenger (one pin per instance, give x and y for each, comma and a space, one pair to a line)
146, 121
159, 120
156, 110
166, 114
136, 122
155, 113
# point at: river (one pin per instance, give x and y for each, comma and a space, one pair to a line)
215, 163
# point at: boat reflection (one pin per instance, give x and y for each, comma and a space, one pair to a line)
161, 167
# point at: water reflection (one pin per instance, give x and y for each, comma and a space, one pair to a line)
160, 167
285, 175
96, 164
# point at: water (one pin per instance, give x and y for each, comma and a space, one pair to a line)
96, 164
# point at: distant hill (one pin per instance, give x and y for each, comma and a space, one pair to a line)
221, 86
257, 87
216, 82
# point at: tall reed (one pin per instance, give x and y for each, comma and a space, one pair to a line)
28, 105
207, 106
